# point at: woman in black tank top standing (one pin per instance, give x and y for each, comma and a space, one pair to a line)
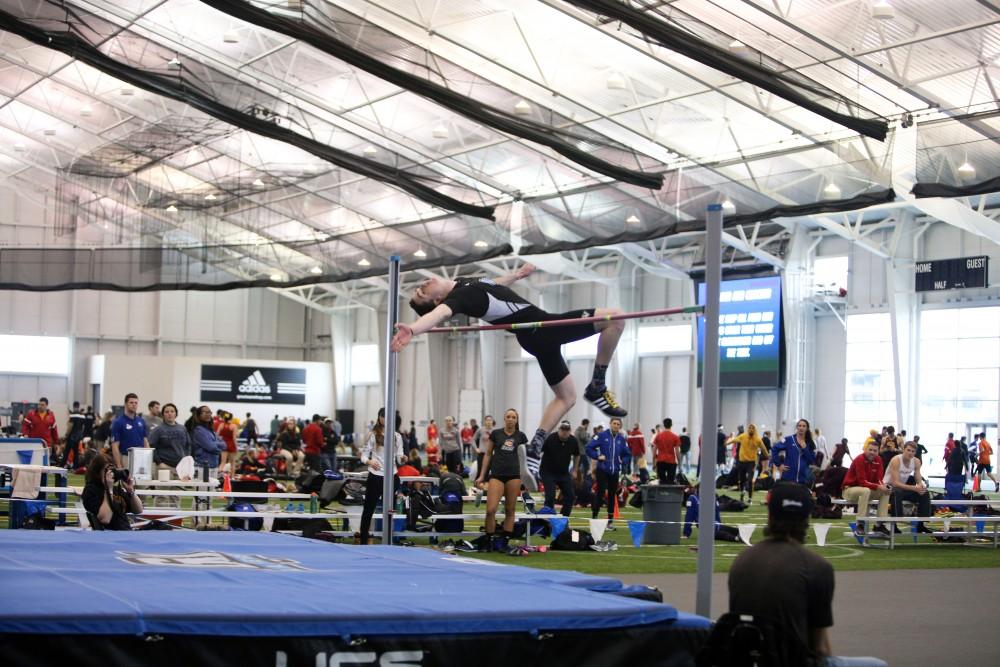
502, 467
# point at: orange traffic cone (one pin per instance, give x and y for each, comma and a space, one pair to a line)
975, 484
616, 514
227, 487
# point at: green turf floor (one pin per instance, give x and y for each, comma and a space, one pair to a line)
841, 549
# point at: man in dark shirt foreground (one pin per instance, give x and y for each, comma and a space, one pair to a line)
780, 581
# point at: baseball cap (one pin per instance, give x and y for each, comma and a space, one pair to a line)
565, 424
789, 500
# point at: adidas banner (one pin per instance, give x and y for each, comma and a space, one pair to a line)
253, 384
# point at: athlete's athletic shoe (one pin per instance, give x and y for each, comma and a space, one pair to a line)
535, 446
529, 502
604, 400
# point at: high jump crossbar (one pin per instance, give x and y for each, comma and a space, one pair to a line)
517, 326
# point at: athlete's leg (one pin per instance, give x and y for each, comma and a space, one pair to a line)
494, 490
511, 491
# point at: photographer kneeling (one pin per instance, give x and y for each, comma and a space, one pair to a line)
109, 494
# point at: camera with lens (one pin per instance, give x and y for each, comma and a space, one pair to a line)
120, 474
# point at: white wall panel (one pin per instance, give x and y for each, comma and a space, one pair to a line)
830, 377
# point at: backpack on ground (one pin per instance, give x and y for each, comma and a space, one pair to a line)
244, 524
764, 483
450, 493
572, 540
739, 640
825, 509
311, 481
727, 504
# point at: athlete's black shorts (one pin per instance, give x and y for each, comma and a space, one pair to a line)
544, 344
503, 479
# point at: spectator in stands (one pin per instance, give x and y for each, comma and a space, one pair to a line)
41, 423
949, 445
432, 433
778, 579
904, 478
74, 436
312, 443
560, 463
466, 435
792, 456
983, 464
666, 449
152, 416
275, 427
637, 447
583, 437
102, 434
610, 453
822, 452
750, 446
106, 500
289, 446
480, 439
127, 431
226, 430
839, 452
412, 442
206, 444
170, 441
887, 448
451, 446
373, 455
88, 422
501, 473
685, 450
250, 431
338, 428
864, 481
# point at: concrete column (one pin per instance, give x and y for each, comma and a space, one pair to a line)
904, 316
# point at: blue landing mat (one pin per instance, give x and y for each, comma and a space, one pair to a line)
267, 584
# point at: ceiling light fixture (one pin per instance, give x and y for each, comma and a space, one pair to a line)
258, 183
369, 150
439, 132
276, 277
615, 82
728, 206
127, 91
481, 244
738, 48
171, 209
49, 132
832, 191
174, 63
316, 270
522, 108
210, 197
19, 147
633, 219
86, 112
966, 170
230, 37
364, 262
420, 253
882, 10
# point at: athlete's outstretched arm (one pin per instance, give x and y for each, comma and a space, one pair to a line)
405, 332
524, 271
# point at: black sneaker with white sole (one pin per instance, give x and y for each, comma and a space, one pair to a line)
604, 400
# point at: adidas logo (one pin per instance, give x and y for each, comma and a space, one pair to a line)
255, 384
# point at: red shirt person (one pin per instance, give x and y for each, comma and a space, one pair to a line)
313, 438
863, 482
41, 423
666, 448
636, 442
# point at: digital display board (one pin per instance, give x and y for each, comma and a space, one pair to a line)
751, 341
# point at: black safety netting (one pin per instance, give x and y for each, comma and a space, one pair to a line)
126, 218
135, 59
368, 47
706, 44
957, 159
